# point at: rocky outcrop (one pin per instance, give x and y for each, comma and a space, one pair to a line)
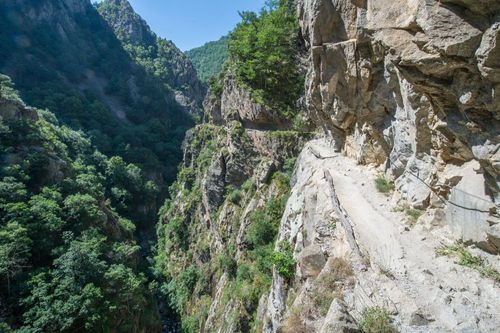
128, 26
412, 86
237, 104
406, 90
233, 181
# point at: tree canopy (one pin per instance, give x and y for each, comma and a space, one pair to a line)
263, 48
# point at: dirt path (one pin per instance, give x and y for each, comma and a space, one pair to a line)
405, 274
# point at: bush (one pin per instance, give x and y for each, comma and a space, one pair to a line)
283, 260
176, 231
234, 194
261, 230
248, 185
375, 320
190, 324
227, 263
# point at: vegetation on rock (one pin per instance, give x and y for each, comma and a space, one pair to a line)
376, 320
465, 258
263, 49
383, 185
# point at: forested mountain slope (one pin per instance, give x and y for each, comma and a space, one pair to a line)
159, 57
69, 258
209, 58
63, 55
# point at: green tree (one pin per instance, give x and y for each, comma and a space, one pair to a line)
263, 48
125, 290
83, 210
14, 251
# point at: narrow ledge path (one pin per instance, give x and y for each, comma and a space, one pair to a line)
405, 274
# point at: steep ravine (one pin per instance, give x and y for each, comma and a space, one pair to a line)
390, 216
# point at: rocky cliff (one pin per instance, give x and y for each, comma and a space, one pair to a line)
390, 219
408, 91
412, 86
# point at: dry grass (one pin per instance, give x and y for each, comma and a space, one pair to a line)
293, 322
376, 320
330, 286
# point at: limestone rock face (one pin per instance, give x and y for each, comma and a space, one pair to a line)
355, 251
213, 184
339, 320
412, 86
128, 25
236, 104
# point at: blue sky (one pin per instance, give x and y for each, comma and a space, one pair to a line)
191, 23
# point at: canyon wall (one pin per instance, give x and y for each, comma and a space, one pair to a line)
388, 215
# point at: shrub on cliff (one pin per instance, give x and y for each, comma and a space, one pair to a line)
263, 48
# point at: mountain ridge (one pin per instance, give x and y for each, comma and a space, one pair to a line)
159, 57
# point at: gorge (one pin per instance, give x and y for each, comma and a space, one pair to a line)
338, 174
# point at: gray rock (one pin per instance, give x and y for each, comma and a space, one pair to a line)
488, 54
339, 320
311, 261
409, 85
237, 104
213, 184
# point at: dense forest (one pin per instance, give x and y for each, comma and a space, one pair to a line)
209, 58
69, 257
76, 67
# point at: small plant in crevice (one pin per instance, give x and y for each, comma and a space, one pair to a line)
248, 186
234, 194
322, 301
412, 214
384, 186
283, 260
375, 320
467, 259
